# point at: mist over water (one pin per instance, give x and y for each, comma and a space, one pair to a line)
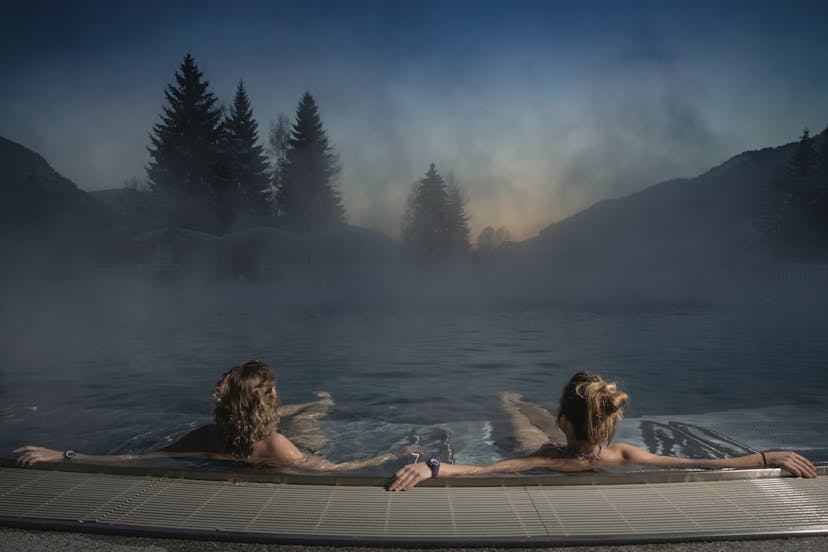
116, 365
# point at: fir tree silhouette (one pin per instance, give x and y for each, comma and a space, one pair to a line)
800, 202
183, 150
425, 226
244, 180
306, 198
803, 164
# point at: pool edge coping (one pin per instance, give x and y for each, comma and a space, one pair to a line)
254, 474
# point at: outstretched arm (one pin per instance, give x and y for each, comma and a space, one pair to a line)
410, 475
275, 450
790, 461
797, 465
31, 454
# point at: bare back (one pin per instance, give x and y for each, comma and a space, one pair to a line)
203, 439
275, 448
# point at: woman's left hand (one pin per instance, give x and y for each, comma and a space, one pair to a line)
408, 476
794, 463
31, 454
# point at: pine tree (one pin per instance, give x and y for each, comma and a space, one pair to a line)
799, 199
245, 179
183, 146
425, 227
458, 222
801, 168
306, 197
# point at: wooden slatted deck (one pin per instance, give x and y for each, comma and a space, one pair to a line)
616, 508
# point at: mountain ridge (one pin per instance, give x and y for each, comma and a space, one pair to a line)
705, 218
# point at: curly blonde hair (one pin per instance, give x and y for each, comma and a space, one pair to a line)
244, 407
593, 407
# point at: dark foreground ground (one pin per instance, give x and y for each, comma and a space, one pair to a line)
14, 540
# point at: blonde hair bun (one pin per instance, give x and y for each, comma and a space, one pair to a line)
594, 407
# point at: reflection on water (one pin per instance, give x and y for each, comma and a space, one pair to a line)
680, 439
108, 370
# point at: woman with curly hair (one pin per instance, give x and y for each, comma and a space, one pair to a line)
579, 439
246, 410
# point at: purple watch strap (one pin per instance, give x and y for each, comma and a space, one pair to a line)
434, 464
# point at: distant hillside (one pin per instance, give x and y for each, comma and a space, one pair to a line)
705, 220
21, 167
32, 192
46, 221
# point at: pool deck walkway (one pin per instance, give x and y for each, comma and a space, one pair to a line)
582, 509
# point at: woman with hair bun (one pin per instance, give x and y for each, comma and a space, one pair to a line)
579, 439
246, 411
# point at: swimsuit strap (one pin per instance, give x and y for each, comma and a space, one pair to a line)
593, 456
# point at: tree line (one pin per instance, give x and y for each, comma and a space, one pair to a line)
209, 172
796, 214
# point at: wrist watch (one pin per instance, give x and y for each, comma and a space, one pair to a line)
434, 464
68, 455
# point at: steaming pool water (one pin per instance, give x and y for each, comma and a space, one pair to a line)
110, 368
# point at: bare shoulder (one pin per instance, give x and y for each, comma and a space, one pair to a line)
621, 453
278, 448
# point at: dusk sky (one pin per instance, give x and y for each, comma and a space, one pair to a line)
538, 108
